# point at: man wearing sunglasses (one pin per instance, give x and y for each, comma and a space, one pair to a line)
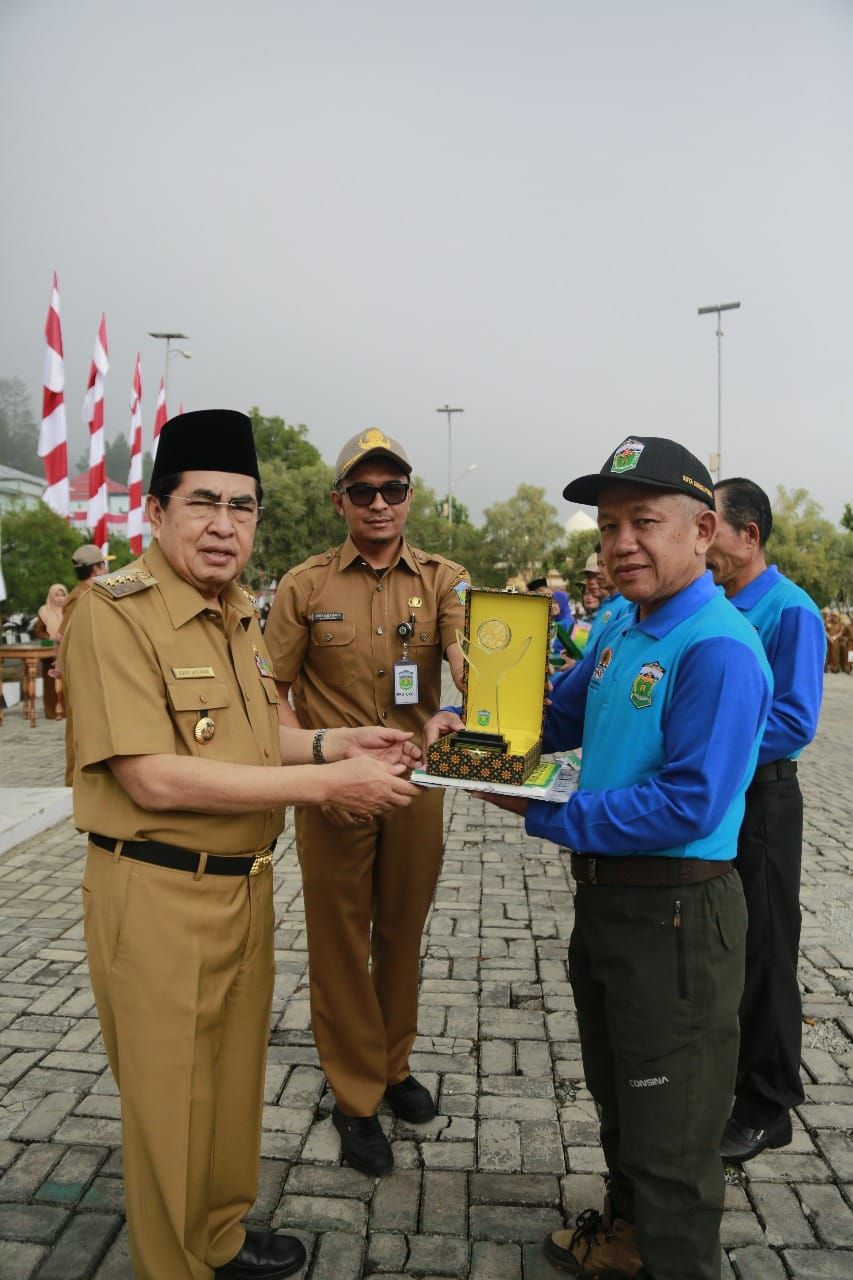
358, 635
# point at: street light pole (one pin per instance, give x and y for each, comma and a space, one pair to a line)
717, 309
445, 408
178, 352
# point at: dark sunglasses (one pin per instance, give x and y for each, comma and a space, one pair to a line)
393, 492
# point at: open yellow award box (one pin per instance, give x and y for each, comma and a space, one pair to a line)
506, 660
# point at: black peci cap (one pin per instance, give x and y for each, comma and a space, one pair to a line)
648, 460
206, 440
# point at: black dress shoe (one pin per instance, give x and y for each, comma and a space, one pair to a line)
742, 1143
411, 1101
363, 1144
265, 1256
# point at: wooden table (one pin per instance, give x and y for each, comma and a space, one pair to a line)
31, 655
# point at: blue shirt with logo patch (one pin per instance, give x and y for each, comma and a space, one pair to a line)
670, 711
791, 629
610, 609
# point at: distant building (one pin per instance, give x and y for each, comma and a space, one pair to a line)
19, 489
118, 501
580, 522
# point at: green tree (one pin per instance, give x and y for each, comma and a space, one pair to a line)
18, 429
120, 551
523, 533
809, 549
37, 550
428, 527
275, 441
847, 518
299, 518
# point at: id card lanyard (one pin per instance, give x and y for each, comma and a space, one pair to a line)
405, 672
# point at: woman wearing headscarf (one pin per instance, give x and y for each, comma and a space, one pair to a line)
48, 626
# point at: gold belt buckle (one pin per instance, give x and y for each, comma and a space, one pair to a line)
261, 861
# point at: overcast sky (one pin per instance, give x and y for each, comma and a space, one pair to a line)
360, 211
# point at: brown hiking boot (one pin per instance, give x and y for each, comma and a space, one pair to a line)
601, 1247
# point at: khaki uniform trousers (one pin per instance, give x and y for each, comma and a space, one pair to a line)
182, 970
363, 980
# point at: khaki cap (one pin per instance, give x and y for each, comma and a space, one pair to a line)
591, 565
366, 445
89, 554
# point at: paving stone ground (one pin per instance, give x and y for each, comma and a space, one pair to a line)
514, 1149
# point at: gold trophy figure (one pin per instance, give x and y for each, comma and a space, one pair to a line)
489, 658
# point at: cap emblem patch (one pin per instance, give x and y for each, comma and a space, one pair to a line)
627, 456
374, 439
644, 684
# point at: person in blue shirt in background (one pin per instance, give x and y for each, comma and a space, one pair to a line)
612, 603
669, 704
791, 630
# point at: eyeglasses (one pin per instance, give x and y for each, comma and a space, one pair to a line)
206, 508
393, 492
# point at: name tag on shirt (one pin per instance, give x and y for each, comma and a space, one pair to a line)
192, 673
405, 684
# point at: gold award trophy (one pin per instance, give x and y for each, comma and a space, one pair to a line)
489, 658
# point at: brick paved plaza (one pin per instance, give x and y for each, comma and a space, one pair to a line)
514, 1148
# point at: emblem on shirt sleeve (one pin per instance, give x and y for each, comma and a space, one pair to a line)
604, 659
627, 456
461, 588
262, 662
644, 683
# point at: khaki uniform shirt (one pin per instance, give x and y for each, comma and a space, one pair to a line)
142, 669
332, 634
74, 599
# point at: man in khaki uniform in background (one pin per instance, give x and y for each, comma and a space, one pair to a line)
335, 635
89, 563
178, 780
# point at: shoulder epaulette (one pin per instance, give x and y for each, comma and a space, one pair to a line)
124, 583
314, 562
434, 557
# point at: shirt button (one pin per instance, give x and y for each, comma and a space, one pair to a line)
266, 753
381, 671
379, 631
328, 636
384, 715
379, 586
202, 697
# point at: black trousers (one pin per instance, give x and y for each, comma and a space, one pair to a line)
657, 976
768, 861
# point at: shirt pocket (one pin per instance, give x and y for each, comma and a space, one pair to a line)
192, 700
333, 652
426, 634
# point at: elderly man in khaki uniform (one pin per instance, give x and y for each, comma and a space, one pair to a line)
179, 781
358, 633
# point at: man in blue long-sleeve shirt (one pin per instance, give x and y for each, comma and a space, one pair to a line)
669, 704
791, 630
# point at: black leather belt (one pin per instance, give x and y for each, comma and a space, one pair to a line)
775, 770
644, 873
167, 855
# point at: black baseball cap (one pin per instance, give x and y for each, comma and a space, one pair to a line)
650, 460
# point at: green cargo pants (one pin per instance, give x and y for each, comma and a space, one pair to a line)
657, 976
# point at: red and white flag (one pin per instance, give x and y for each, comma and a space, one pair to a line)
134, 479
160, 417
53, 434
93, 415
